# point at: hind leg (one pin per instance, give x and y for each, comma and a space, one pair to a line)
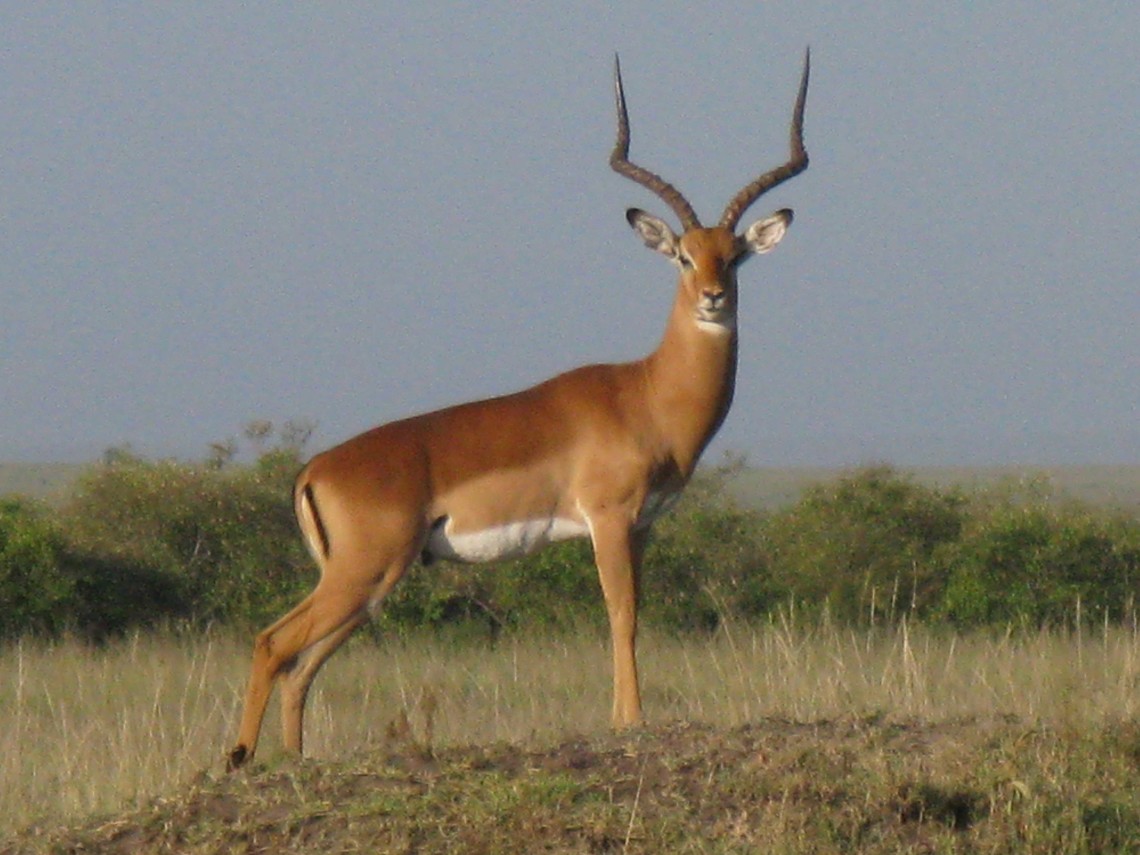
319, 624
296, 679
295, 648
296, 682
270, 657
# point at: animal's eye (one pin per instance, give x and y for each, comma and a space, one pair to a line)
686, 262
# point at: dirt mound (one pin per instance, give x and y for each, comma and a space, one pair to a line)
852, 785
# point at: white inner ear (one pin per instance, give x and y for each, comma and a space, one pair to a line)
654, 232
763, 235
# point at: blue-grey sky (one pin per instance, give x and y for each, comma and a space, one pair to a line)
346, 213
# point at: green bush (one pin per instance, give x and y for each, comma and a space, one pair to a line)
863, 546
1035, 562
48, 587
555, 588
221, 539
705, 560
144, 542
36, 597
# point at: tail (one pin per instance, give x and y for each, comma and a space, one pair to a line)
309, 518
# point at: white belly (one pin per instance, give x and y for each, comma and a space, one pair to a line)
511, 540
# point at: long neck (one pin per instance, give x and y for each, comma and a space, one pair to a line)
691, 375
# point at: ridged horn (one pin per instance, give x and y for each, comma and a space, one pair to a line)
795, 165
619, 161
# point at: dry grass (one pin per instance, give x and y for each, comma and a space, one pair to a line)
92, 730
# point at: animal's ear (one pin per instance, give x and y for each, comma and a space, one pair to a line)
654, 232
763, 235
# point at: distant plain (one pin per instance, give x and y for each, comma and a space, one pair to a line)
763, 487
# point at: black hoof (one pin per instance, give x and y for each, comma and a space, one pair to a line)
236, 758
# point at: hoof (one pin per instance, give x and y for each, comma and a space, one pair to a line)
237, 757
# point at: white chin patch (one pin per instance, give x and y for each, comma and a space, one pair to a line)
498, 543
721, 327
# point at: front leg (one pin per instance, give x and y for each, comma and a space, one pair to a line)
618, 551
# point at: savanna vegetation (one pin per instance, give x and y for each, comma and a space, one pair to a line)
147, 543
143, 543
879, 664
786, 735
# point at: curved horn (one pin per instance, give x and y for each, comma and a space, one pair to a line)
649, 180
795, 165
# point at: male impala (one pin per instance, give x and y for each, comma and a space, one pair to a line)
596, 452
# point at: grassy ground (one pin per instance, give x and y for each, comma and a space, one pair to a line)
778, 738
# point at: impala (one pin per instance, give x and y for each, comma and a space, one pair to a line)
600, 452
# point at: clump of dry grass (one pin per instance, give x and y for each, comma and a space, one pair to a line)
827, 671
87, 730
84, 729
